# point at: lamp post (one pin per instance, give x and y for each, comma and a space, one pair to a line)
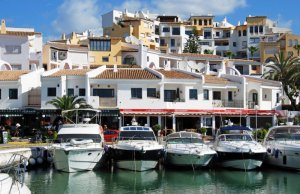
256, 107
77, 107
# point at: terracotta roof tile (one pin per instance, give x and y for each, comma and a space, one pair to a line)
199, 55
172, 74
74, 72
12, 75
126, 74
215, 80
21, 33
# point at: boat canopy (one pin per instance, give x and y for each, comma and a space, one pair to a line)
235, 128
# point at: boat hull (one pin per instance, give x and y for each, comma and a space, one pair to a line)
9, 186
188, 160
240, 160
283, 158
75, 160
136, 160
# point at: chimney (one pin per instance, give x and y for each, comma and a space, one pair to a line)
3, 27
115, 68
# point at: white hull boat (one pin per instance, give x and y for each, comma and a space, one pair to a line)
237, 149
187, 149
136, 149
283, 146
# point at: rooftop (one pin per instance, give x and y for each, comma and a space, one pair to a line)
12, 75
172, 74
126, 74
73, 72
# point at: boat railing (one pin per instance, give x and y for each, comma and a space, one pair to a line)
16, 167
78, 142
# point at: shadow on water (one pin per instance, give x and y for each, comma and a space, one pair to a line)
49, 181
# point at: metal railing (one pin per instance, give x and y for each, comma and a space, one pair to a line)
228, 103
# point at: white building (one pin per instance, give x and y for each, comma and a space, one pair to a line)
65, 56
173, 98
20, 48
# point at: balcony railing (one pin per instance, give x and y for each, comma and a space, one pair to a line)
174, 100
251, 104
228, 103
107, 102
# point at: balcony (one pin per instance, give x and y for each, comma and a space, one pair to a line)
108, 102
228, 103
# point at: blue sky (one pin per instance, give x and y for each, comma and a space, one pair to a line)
52, 17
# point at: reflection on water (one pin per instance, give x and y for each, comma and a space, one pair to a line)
163, 181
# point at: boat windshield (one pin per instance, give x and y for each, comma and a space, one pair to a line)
137, 135
67, 137
184, 140
237, 137
285, 136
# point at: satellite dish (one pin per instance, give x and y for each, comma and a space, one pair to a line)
128, 39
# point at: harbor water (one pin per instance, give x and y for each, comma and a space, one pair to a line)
50, 181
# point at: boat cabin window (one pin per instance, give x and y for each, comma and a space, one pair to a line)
184, 140
137, 135
285, 136
239, 137
67, 137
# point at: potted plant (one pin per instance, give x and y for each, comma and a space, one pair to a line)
203, 131
156, 128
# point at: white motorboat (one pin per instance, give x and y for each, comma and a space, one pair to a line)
79, 147
12, 176
187, 149
283, 146
237, 149
136, 149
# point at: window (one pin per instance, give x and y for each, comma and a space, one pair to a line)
129, 60
151, 92
175, 31
162, 42
136, 93
206, 94
230, 97
256, 29
244, 44
254, 40
13, 93
240, 68
0, 93
193, 94
62, 55
295, 42
261, 29
217, 34
81, 91
170, 95
16, 67
277, 98
12, 49
51, 91
188, 32
290, 42
195, 22
70, 92
216, 95
244, 32
240, 33
251, 29
105, 59
207, 35
234, 44
166, 29
209, 22
103, 93
205, 22
156, 29
100, 45
200, 22
172, 42
254, 67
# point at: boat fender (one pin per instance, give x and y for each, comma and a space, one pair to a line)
106, 149
269, 150
40, 160
284, 159
32, 161
276, 153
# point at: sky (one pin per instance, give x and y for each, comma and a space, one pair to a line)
54, 17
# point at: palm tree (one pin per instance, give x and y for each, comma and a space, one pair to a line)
252, 50
287, 71
297, 47
68, 102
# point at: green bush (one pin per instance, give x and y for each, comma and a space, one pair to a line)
261, 133
203, 130
156, 128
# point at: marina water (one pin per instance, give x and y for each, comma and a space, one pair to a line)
50, 181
